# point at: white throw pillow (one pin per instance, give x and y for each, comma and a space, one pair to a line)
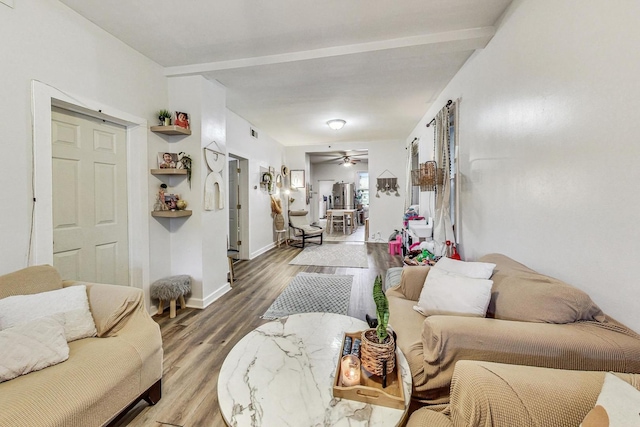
71, 301
475, 270
618, 405
448, 293
32, 346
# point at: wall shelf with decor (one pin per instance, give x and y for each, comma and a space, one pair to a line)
168, 171
171, 214
171, 130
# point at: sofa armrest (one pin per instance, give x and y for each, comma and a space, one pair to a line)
111, 305
485, 393
581, 346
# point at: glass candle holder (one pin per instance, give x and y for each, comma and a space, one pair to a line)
350, 370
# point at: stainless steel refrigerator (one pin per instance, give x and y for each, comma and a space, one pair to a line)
343, 196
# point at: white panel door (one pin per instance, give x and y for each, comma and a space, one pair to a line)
90, 231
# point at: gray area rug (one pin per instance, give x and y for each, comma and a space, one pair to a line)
334, 255
312, 292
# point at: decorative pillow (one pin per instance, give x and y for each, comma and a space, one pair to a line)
32, 346
522, 294
71, 301
448, 293
618, 405
475, 270
412, 281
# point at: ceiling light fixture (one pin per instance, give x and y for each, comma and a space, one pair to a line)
336, 124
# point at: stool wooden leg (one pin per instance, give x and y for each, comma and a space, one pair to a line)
182, 303
172, 309
160, 307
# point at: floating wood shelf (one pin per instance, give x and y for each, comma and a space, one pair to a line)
168, 171
171, 214
171, 130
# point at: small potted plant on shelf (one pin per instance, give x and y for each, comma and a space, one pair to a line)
378, 345
184, 162
165, 117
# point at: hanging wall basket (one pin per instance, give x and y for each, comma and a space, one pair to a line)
428, 177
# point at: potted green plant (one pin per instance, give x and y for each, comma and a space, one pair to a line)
378, 346
184, 162
165, 117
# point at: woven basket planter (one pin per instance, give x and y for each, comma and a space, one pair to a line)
372, 354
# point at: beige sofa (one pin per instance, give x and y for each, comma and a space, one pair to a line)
500, 395
532, 320
103, 376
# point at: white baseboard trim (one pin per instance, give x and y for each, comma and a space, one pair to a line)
262, 250
201, 303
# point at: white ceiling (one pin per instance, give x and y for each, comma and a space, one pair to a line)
290, 66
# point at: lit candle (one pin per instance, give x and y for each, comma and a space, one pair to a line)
350, 370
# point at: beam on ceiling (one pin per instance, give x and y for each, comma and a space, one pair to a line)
473, 38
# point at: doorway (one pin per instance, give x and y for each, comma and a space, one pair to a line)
234, 204
41, 245
238, 232
90, 203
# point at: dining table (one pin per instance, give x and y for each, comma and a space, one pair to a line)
345, 213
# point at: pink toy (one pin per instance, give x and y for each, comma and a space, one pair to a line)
395, 246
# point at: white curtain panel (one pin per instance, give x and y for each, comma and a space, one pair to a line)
412, 148
442, 228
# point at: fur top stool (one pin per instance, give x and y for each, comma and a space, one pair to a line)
169, 289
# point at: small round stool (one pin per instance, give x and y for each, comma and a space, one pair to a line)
169, 289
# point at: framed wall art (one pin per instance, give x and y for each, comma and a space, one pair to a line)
297, 178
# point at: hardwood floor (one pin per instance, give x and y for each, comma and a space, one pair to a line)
196, 342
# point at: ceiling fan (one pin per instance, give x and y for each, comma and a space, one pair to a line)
346, 158
348, 161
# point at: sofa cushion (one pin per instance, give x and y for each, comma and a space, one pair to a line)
522, 294
412, 281
475, 270
71, 301
453, 294
32, 346
30, 280
617, 405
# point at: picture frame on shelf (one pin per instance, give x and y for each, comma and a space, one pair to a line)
167, 160
182, 119
297, 178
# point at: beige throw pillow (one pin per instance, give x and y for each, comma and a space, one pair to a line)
71, 301
32, 346
522, 294
452, 294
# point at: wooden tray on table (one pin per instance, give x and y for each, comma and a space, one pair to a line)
370, 389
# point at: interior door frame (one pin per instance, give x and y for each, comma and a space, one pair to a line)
243, 199
41, 251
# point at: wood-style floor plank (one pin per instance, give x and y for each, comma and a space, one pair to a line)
196, 342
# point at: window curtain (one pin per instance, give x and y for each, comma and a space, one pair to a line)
442, 228
412, 151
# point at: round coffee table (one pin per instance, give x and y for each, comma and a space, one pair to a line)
281, 374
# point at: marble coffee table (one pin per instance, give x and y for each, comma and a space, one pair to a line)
281, 374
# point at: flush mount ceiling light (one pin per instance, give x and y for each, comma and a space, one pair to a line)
336, 124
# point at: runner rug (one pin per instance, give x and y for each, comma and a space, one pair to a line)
334, 255
312, 292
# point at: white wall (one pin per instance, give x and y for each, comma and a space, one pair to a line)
385, 212
548, 146
261, 152
45, 41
